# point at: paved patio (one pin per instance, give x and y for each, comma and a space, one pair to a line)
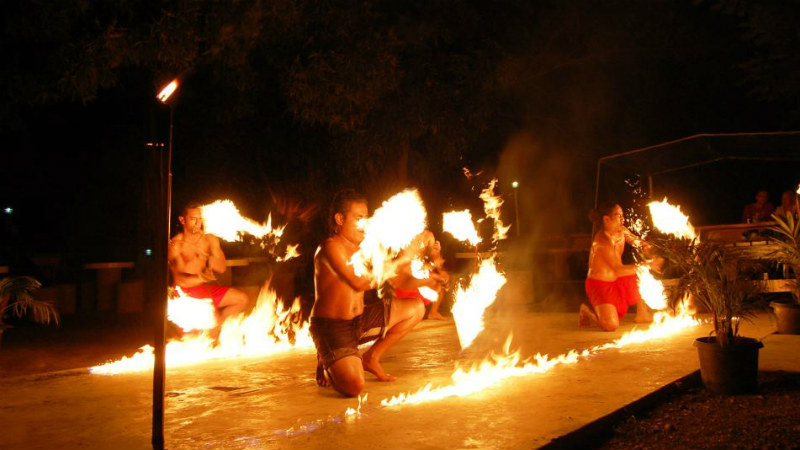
273, 402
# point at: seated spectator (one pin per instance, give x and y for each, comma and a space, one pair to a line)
788, 204
759, 211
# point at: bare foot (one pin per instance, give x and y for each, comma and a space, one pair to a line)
322, 380
374, 367
436, 316
586, 317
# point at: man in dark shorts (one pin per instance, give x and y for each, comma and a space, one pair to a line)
340, 320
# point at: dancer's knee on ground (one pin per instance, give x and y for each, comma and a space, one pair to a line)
350, 387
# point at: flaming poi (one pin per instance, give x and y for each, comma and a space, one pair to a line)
669, 219
461, 226
391, 228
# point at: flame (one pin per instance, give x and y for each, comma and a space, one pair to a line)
497, 368
670, 220
798, 189
472, 301
651, 290
268, 329
461, 226
191, 313
491, 206
291, 252
222, 219
352, 413
168, 90
391, 228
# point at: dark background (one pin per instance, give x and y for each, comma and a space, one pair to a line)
284, 102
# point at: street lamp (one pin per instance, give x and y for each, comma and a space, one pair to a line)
159, 366
515, 185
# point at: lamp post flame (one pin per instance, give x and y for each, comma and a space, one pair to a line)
168, 90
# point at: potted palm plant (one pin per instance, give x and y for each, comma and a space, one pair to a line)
786, 235
712, 274
17, 298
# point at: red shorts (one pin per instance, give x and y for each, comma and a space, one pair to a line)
212, 291
622, 293
409, 293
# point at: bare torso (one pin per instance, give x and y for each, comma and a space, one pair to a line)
605, 257
192, 258
339, 293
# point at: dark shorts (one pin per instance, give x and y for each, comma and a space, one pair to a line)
338, 338
622, 293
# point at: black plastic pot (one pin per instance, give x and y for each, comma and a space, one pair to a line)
787, 317
729, 370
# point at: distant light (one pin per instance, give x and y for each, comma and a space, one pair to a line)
168, 90
148, 252
514, 184
8, 210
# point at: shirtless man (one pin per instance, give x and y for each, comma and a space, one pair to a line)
340, 320
194, 257
427, 249
611, 286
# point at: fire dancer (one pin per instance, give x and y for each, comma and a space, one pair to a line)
611, 286
340, 320
427, 249
194, 257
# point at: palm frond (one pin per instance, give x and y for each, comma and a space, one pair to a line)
787, 238
711, 274
21, 291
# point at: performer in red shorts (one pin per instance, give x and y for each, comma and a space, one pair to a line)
610, 285
405, 285
194, 257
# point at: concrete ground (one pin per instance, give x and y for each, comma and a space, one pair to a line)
273, 402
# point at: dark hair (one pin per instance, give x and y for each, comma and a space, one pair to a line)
597, 213
341, 204
188, 206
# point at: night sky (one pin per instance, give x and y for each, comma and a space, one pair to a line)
284, 102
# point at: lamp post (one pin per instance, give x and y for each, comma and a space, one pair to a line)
515, 185
159, 366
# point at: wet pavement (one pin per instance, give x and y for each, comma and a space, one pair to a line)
273, 402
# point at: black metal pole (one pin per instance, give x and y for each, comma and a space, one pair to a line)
159, 367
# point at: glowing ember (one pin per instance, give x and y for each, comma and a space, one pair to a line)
471, 302
461, 226
491, 206
191, 313
222, 219
269, 329
651, 290
669, 219
390, 229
